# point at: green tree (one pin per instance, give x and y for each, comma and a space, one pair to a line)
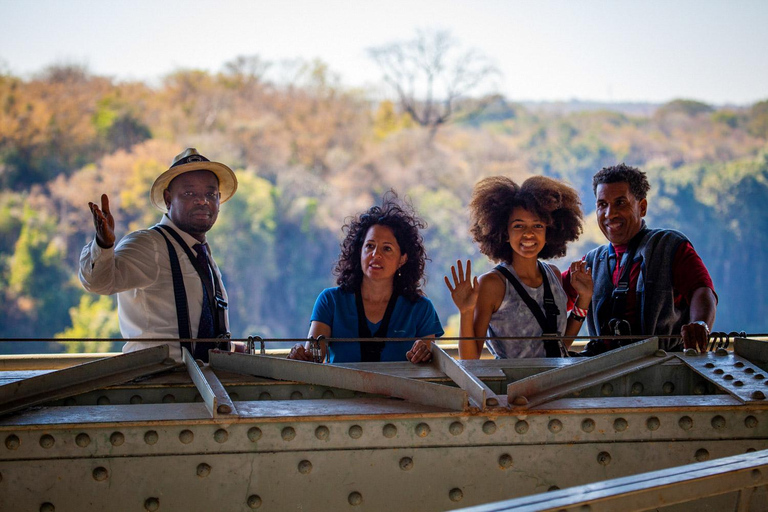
93, 317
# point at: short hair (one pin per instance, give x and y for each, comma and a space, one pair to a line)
401, 218
622, 173
554, 202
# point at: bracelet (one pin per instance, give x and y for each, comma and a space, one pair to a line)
577, 311
576, 317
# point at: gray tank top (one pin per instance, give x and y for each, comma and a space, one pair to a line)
514, 318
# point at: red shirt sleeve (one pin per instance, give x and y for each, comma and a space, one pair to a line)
570, 292
689, 273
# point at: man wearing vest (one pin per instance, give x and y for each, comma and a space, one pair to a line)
167, 283
646, 281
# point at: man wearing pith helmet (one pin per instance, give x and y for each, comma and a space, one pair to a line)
166, 280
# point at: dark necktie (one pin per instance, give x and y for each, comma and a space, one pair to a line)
205, 328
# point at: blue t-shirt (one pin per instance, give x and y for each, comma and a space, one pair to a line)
337, 309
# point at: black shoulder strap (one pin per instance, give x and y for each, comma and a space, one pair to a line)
179, 293
548, 322
620, 291
370, 351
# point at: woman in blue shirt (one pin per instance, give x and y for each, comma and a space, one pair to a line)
379, 274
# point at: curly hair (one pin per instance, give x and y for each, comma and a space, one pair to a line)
405, 225
554, 202
634, 177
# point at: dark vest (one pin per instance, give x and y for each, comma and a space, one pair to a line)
655, 295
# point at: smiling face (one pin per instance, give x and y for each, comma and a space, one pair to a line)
619, 213
192, 199
527, 233
380, 256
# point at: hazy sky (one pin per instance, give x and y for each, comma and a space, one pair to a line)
651, 50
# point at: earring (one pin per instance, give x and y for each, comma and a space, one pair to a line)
399, 273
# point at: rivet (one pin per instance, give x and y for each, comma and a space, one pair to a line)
305, 467
521, 427
422, 430
660, 353
254, 501
455, 494
70, 401
456, 428
47, 441
701, 455
718, 422
223, 409
203, 470
355, 431
169, 399
686, 423
406, 463
620, 425
607, 389
750, 450
758, 395
709, 365
637, 388
82, 440
668, 388
136, 399
555, 426
328, 393
100, 474
588, 425
691, 352
758, 376
492, 402
151, 437
288, 433
489, 427
719, 371
103, 400
254, 434
520, 400
355, 498
699, 389
750, 422
721, 352
12, 442
738, 383
297, 395
553, 488
186, 436
47, 507
322, 432
739, 364
389, 430
264, 395
604, 458
117, 438
728, 376
755, 474
749, 370
221, 436
505, 461
152, 504
653, 423
234, 397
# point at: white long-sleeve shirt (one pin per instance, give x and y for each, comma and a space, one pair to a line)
138, 270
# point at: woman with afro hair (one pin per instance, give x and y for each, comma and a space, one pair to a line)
379, 272
517, 226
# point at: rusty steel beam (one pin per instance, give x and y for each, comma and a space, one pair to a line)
83, 378
477, 390
214, 395
345, 378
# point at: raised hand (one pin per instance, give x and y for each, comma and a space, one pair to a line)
581, 280
103, 222
420, 352
464, 290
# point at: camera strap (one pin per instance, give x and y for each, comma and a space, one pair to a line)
370, 351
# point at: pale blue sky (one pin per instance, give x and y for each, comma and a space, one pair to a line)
653, 50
